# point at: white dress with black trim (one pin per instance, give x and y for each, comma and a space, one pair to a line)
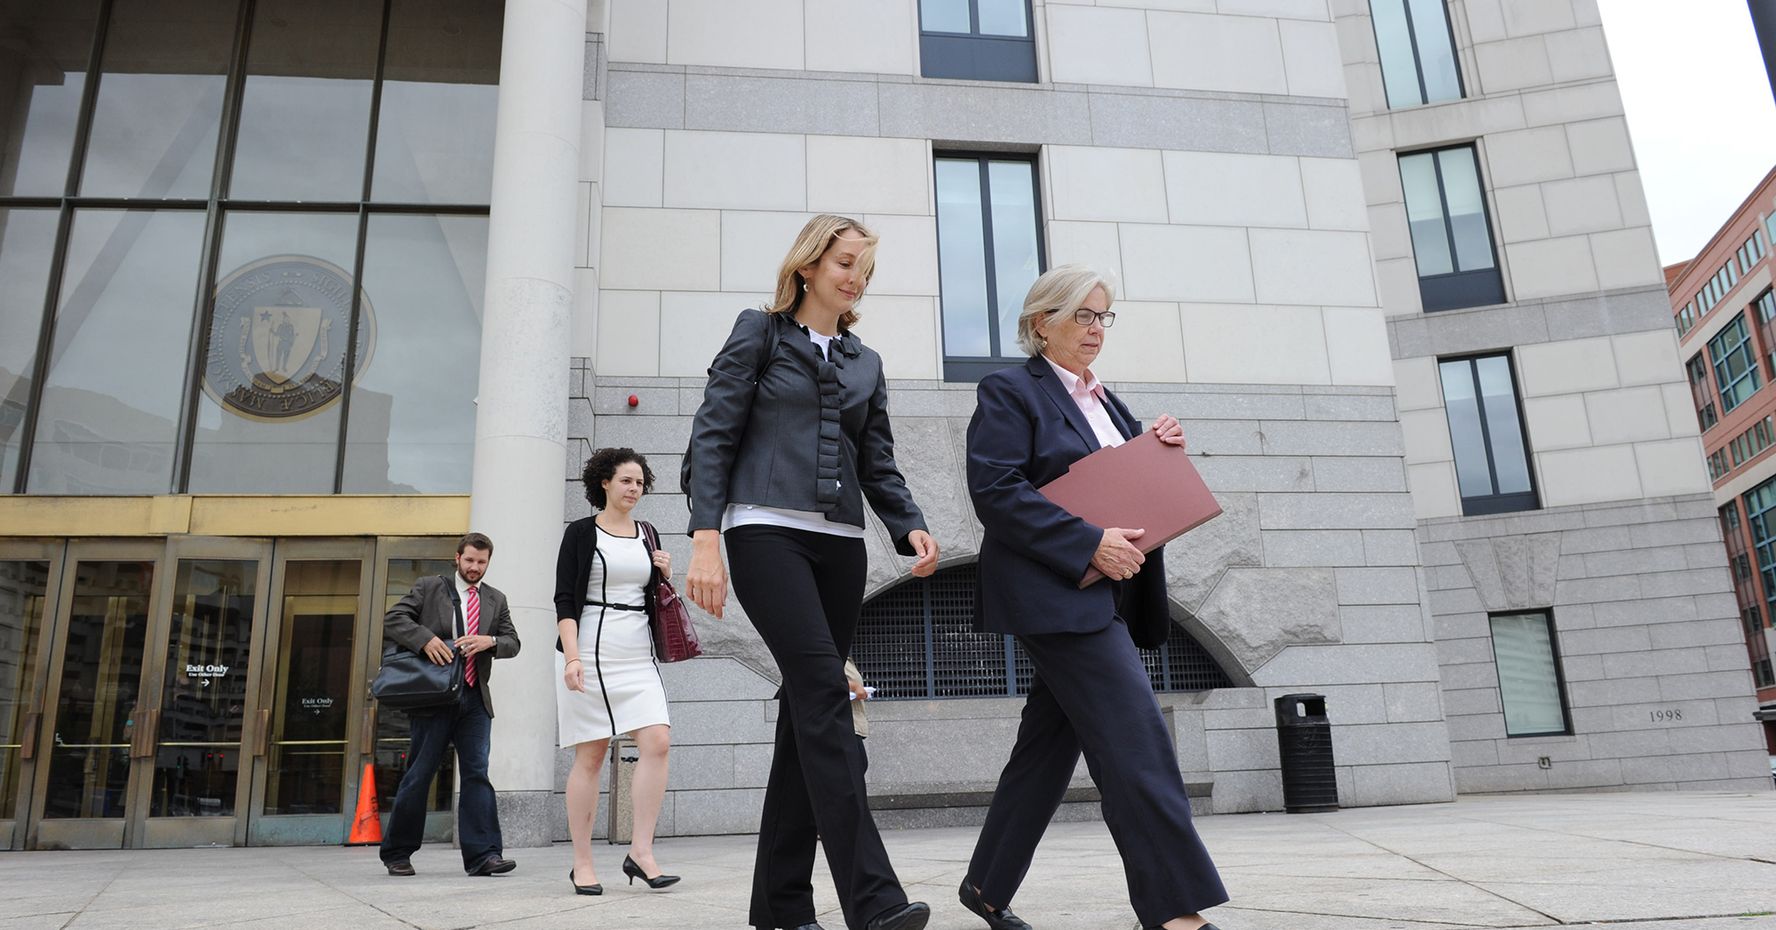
623, 691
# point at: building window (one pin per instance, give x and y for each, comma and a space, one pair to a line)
1451, 234
989, 248
1735, 367
1701, 392
916, 641
1417, 49
211, 224
1686, 319
1760, 516
1486, 431
1717, 464
1766, 317
976, 40
1531, 687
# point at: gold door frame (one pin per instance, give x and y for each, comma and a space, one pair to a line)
32, 739
309, 829
163, 832
90, 832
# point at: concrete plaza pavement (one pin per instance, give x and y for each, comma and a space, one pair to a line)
1670, 861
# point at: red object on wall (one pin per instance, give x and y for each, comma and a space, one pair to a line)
634, 401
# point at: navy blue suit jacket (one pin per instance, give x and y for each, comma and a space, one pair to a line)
1026, 432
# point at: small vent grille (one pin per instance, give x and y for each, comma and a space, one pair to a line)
916, 641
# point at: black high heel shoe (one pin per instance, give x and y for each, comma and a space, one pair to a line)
594, 888
634, 872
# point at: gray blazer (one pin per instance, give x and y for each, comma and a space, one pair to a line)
781, 427
430, 609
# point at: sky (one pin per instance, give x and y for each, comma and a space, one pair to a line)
1700, 111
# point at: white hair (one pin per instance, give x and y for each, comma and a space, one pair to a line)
1063, 287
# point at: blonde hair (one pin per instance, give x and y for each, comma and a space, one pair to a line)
1063, 287
815, 239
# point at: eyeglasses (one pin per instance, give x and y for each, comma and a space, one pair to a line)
1085, 317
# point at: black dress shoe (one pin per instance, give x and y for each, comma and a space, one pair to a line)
493, 865
807, 926
594, 888
634, 872
1001, 919
400, 867
910, 916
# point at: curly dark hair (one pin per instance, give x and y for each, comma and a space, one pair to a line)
602, 466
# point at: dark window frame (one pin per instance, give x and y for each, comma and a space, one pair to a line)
972, 56
217, 207
1496, 503
971, 368
1457, 290
1701, 383
1424, 94
1547, 615
1718, 362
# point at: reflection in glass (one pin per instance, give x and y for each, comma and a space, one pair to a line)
305, 105
943, 16
434, 136
42, 76
1015, 262
100, 680
23, 585
1399, 69
392, 735
1424, 215
1003, 18
160, 99
961, 258
412, 423
117, 368
268, 418
306, 767
1472, 472
1467, 212
1529, 683
197, 764
27, 241
1499, 398
1436, 50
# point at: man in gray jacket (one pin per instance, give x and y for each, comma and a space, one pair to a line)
440, 618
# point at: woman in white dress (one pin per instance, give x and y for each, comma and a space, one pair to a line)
610, 683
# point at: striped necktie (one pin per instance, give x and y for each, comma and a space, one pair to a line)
472, 626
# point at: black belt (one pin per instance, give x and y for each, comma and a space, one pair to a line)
639, 608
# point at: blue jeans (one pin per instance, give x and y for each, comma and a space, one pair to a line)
467, 726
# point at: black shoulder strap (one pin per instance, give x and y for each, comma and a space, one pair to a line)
455, 601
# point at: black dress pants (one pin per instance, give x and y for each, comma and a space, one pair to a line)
1091, 693
467, 727
803, 591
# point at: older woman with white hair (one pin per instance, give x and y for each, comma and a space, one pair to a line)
1090, 692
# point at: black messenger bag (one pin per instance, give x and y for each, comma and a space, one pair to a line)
410, 681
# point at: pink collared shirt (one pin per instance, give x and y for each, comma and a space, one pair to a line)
1089, 395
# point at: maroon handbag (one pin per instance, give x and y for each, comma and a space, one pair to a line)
675, 639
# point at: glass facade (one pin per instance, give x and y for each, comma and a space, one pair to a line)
1735, 363
214, 215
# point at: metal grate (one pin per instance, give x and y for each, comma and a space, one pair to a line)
916, 641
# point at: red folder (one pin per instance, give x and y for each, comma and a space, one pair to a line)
1141, 484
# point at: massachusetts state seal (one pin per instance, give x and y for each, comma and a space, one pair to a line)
278, 337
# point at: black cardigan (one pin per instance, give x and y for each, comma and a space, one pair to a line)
573, 571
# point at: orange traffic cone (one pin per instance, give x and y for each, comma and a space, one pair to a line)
367, 823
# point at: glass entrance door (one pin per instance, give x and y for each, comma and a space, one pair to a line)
208, 633
86, 781
29, 573
312, 705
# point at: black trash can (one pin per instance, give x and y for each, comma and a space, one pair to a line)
1304, 736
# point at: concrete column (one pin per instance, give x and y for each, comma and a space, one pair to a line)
521, 412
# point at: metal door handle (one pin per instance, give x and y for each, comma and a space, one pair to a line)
369, 739
146, 733
28, 747
262, 734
